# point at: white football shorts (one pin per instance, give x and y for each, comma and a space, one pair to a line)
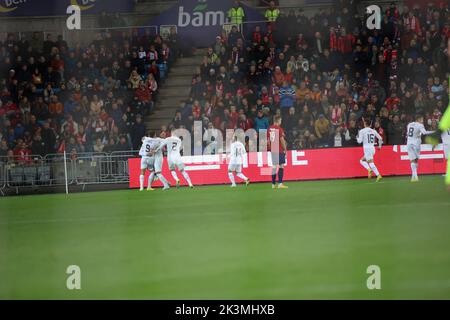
413, 151
369, 153
236, 167
175, 163
148, 163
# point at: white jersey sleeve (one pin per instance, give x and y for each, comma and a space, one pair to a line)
445, 136
379, 137
359, 137
157, 146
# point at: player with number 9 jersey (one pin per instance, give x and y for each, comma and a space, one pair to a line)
275, 137
147, 160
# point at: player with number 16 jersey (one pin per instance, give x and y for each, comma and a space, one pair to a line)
367, 137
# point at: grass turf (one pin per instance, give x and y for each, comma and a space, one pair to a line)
314, 240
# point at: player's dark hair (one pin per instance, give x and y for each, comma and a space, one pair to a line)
367, 121
419, 116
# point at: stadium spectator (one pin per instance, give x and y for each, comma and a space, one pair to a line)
334, 65
322, 129
396, 130
261, 121
3, 148
340, 75
53, 96
272, 13
236, 14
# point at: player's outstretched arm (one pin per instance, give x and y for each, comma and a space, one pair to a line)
359, 138
244, 150
161, 146
444, 124
380, 139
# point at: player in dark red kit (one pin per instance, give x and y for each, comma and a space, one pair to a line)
277, 146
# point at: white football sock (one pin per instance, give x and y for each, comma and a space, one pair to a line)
141, 181
374, 168
151, 177
231, 176
163, 180
174, 175
240, 175
364, 164
414, 169
186, 176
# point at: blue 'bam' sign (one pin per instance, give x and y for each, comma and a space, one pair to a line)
200, 21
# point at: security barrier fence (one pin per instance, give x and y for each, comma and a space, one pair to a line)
27, 171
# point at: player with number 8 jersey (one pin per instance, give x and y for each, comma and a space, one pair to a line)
414, 133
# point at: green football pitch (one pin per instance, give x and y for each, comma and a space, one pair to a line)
312, 241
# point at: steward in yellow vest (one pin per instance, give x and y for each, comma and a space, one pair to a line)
272, 13
236, 14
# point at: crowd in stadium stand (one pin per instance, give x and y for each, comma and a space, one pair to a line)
81, 99
324, 74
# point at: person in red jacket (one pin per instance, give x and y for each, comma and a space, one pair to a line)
346, 42
22, 153
412, 23
143, 93
10, 108
392, 101
257, 35
244, 123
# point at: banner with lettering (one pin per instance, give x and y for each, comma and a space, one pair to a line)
339, 163
199, 22
28, 8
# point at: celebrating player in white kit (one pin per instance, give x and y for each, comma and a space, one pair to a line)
153, 161
147, 163
237, 154
414, 133
173, 145
367, 137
